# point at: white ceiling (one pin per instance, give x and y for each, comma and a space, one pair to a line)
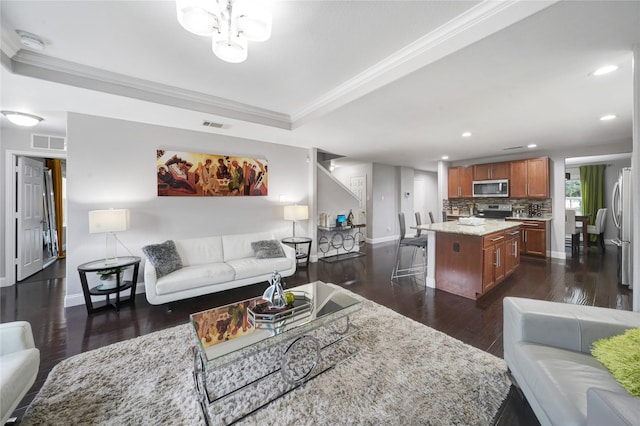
394, 82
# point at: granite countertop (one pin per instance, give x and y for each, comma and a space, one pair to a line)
540, 218
490, 226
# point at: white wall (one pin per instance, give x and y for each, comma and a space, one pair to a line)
111, 163
384, 207
334, 198
405, 197
425, 189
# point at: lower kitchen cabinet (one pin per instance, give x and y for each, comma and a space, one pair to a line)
534, 237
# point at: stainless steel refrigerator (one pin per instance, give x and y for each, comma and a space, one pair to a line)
623, 219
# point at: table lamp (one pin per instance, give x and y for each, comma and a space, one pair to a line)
109, 221
295, 213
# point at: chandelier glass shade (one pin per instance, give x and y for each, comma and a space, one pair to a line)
230, 23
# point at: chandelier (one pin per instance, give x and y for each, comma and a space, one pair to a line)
230, 23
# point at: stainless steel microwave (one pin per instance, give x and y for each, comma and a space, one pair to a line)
491, 188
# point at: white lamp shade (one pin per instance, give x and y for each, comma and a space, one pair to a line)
296, 212
253, 19
199, 17
230, 49
112, 220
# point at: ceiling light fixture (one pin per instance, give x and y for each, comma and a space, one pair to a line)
607, 117
30, 40
605, 70
230, 23
445, 157
22, 119
532, 145
466, 134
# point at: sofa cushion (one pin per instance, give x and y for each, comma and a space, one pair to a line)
195, 276
251, 267
198, 251
621, 355
559, 379
239, 246
267, 249
164, 257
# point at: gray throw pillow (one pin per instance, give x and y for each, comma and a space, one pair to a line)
267, 249
164, 257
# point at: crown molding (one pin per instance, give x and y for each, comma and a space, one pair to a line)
9, 42
45, 67
478, 22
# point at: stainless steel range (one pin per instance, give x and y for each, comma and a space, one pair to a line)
493, 211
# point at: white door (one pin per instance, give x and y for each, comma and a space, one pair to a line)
29, 215
358, 186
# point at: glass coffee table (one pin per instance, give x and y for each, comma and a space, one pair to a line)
248, 357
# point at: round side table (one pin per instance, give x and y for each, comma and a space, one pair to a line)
301, 254
121, 285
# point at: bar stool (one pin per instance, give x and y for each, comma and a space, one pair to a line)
415, 242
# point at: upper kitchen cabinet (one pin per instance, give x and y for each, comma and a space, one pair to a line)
529, 178
491, 171
460, 182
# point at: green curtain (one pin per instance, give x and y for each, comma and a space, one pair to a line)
592, 184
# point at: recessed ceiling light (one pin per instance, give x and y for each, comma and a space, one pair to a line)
22, 119
466, 134
445, 157
532, 145
607, 117
30, 40
605, 70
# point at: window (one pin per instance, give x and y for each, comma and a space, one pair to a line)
573, 195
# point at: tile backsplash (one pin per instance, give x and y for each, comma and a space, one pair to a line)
533, 207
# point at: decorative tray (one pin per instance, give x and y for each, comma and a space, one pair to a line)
471, 221
262, 314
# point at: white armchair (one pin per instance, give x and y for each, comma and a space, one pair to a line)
19, 364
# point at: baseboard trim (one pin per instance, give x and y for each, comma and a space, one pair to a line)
558, 255
78, 298
382, 239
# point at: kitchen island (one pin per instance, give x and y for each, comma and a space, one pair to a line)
470, 260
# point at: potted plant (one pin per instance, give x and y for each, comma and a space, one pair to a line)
108, 277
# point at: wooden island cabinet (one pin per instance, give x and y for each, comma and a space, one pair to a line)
472, 260
535, 236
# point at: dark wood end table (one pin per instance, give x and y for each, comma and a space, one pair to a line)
121, 285
300, 241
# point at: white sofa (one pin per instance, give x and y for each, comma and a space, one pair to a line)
19, 364
547, 347
212, 264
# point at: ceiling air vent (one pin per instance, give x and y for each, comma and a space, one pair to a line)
212, 124
55, 143
513, 147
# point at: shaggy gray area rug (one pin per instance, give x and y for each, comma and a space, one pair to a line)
405, 374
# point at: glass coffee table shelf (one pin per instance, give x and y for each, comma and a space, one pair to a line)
247, 365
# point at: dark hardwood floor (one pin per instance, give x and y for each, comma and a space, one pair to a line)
59, 332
